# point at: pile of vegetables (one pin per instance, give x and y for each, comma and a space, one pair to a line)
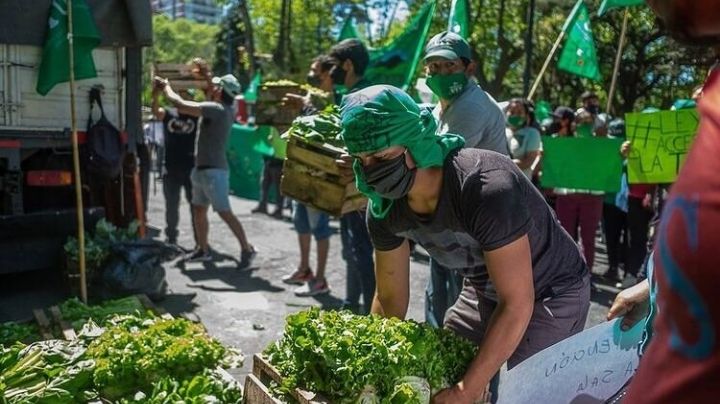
132, 359
325, 127
12, 332
97, 244
348, 357
78, 313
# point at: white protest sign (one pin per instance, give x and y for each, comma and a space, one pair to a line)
588, 367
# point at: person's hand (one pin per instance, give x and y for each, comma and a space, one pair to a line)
632, 303
201, 68
159, 83
647, 202
457, 394
295, 100
625, 149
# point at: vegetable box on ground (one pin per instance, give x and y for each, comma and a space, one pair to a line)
311, 176
258, 390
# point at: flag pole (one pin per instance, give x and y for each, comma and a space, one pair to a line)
76, 159
618, 58
545, 65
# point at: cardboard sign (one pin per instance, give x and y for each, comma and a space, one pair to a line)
660, 142
582, 163
588, 367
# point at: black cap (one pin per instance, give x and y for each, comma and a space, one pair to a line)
564, 113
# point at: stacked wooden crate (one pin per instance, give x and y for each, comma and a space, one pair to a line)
270, 109
181, 76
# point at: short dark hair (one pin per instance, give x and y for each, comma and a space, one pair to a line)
587, 95
325, 61
354, 50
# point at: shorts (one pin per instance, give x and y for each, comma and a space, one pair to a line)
307, 220
211, 186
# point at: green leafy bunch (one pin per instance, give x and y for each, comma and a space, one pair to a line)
324, 127
78, 313
205, 388
97, 245
339, 354
11, 332
131, 358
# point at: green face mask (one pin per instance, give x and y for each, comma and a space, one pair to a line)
584, 130
447, 86
516, 121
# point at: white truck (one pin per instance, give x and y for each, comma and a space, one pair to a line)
37, 198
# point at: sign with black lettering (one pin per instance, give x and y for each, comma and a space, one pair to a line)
588, 367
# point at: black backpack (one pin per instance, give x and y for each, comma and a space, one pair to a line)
104, 147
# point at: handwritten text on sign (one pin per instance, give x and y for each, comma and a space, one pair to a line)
660, 142
595, 364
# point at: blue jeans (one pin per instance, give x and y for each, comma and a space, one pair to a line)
357, 250
442, 291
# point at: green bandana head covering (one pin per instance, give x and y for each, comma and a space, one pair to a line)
382, 116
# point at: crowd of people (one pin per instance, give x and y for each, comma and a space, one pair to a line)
511, 261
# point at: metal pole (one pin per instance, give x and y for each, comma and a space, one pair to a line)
529, 46
545, 65
618, 58
76, 159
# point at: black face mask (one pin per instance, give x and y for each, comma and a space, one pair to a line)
313, 80
391, 179
553, 128
593, 109
338, 75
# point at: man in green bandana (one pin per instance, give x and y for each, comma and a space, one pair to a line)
466, 110
525, 285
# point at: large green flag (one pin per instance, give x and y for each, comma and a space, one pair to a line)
578, 55
395, 63
251, 93
55, 64
348, 30
459, 21
610, 4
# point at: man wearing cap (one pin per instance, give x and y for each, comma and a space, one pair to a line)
210, 179
526, 285
466, 110
180, 135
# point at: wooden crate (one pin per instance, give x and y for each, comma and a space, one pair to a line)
274, 113
180, 75
275, 93
257, 392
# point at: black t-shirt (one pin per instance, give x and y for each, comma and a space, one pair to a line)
486, 203
180, 135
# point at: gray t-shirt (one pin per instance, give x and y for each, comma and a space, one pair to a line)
485, 203
475, 116
522, 142
214, 132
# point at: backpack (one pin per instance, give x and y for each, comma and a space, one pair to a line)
104, 146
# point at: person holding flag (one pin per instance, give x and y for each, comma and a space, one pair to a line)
466, 110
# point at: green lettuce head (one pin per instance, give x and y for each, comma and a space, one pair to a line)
382, 116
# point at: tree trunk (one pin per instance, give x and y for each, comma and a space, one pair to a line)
249, 38
281, 51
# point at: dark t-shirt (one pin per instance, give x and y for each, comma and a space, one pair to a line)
180, 135
485, 203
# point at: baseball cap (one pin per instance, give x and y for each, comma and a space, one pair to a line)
564, 113
228, 83
447, 45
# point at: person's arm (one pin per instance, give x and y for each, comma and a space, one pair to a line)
392, 282
534, 149
528, 159
191, 108
157, 111
631, 303
510, 270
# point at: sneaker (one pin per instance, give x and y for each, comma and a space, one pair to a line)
259, 209
198, 256
246, 258
277, 214
299, 277
313, 288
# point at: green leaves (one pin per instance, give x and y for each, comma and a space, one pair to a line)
324, 127
340, 355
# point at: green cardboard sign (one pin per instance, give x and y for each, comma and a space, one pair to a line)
582, 163
660, 142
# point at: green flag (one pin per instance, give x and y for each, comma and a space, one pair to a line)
610, 4
578, 55
348, 30
395, 63
55, 64
459, 21
543, 110
251, 93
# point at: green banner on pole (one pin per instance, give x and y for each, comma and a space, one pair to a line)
578, 55
660, 142
395, 63
459, 21
610, 4
582, 163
